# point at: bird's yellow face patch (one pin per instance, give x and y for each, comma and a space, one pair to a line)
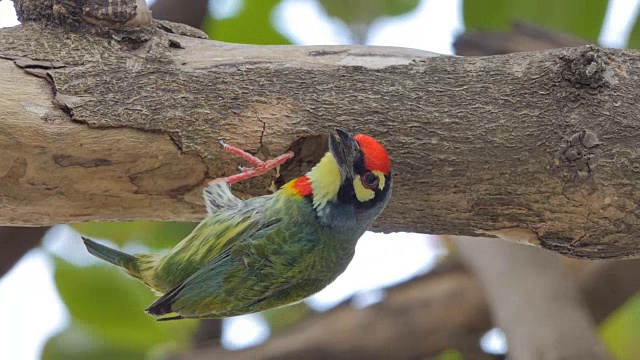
325, 179
362, 193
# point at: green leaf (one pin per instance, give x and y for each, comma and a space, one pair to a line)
154, 234
80, 343
579, 17
366, 11
111, 306
621, 330
449, 354
252, 25
634, 37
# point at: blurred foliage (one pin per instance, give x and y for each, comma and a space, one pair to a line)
253, 24
449, 354
634, 37
621, 331
106, 308
285, 317
154, 234
579, 17
366, 11
80, 343
358, 15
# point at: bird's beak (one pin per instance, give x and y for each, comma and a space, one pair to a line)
344, 149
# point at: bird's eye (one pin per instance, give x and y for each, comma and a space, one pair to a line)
369, 180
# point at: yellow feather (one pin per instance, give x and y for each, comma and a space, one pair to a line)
325, 180
363, 194
381, 178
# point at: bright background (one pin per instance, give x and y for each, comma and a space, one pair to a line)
30, 298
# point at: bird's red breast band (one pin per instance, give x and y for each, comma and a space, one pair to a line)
375, 156
303, 186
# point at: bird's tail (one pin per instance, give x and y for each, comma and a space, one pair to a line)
128, 262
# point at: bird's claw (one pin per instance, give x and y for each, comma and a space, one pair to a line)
260, 167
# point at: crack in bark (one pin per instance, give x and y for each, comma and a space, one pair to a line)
64, 160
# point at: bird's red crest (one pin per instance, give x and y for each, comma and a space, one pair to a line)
375, 156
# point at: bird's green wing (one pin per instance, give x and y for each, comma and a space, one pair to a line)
233, 237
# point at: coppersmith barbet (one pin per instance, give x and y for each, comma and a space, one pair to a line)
267, 251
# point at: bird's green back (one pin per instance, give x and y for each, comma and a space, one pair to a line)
254, 249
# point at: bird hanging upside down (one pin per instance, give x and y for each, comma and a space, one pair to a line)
272, 250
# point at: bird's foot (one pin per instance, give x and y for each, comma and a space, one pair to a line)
259, 167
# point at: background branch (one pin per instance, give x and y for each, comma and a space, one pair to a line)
15, 242
522, 37
534, 300
421, 318
412, 313
189, 12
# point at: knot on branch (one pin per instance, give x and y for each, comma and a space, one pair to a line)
112, 14
588, 67
580, 154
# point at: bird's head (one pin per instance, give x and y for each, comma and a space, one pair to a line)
351, 184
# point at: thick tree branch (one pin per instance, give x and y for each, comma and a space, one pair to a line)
534, 147
525, 281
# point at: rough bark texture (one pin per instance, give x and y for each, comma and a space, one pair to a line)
123, 124
553, 289
534, 300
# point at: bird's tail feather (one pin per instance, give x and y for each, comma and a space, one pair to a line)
118, 258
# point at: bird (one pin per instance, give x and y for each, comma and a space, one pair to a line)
267, 251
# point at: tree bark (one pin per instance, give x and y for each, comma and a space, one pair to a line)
120, 121
534, 300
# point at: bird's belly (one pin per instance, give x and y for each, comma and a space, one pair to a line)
306, 279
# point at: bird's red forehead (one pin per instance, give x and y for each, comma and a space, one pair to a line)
375, 156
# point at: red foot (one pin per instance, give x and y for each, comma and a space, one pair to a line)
260, 167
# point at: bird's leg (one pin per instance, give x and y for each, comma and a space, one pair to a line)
259, 167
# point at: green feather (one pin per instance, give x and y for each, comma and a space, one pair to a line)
252, 255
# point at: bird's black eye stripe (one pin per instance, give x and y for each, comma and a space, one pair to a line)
369, 180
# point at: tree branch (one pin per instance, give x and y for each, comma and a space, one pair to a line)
15, 242
534, 300
417, 320
522, 37
534, 147
189, 12
606, 286
407, 311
